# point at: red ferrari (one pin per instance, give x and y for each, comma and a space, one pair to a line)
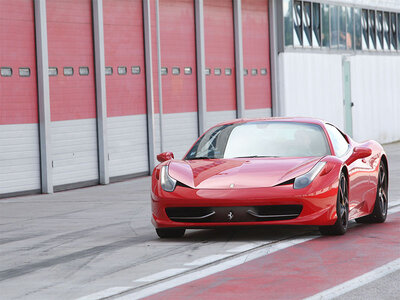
297, 171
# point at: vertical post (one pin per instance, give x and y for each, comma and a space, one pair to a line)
276, 33
42, 65
347, 103
160, 103
149, 81
201, 66
237, 21
101, 101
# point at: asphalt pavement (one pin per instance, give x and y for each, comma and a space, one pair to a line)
98, 242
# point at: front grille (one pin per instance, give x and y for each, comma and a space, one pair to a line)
260, 213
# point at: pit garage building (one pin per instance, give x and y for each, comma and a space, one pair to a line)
92, 90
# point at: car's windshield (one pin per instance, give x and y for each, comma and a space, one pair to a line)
261, 139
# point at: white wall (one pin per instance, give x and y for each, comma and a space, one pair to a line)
311, 86
375, 81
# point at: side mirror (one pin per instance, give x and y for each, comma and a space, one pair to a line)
165, 156
361, 152
358, 153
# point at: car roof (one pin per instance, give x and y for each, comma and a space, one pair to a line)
277, 119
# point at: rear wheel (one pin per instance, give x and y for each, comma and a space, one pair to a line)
342, 211
379, 213
166, 233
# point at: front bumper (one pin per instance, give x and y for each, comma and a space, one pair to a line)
241, 207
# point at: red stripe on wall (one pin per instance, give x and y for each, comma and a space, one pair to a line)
220, 53
70, 44
178, 49
18, 95
256, 53
123, 43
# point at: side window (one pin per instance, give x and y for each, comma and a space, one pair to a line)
325, 25
386, 31
339, 143
358, 28
316, 25
393, 31
297, 18
307, 26
287, 12
365, 28
371, 22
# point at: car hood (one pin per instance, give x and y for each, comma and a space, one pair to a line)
239, 172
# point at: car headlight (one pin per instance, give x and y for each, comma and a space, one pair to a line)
167, 182
304, 180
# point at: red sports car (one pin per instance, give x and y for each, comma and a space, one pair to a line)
298, 171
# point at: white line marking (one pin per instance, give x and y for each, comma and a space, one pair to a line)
106, 293
244, 247
224, 265
358, 281
207, 260
161, 275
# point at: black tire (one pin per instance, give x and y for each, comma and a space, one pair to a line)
379, 213
342, 210
168, 233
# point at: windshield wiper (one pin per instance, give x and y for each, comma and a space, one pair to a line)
200, 157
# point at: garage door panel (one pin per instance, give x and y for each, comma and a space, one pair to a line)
68, 11
72, 98
19, 37
173, 137
219, 54
258, 113
256, 56
178, 49
19, 137
215, 117
123, 43
75, 151
129, 37
127, 145
126, 94
19, 158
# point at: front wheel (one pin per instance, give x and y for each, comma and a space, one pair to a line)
167, 233
342, 211
379, 213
